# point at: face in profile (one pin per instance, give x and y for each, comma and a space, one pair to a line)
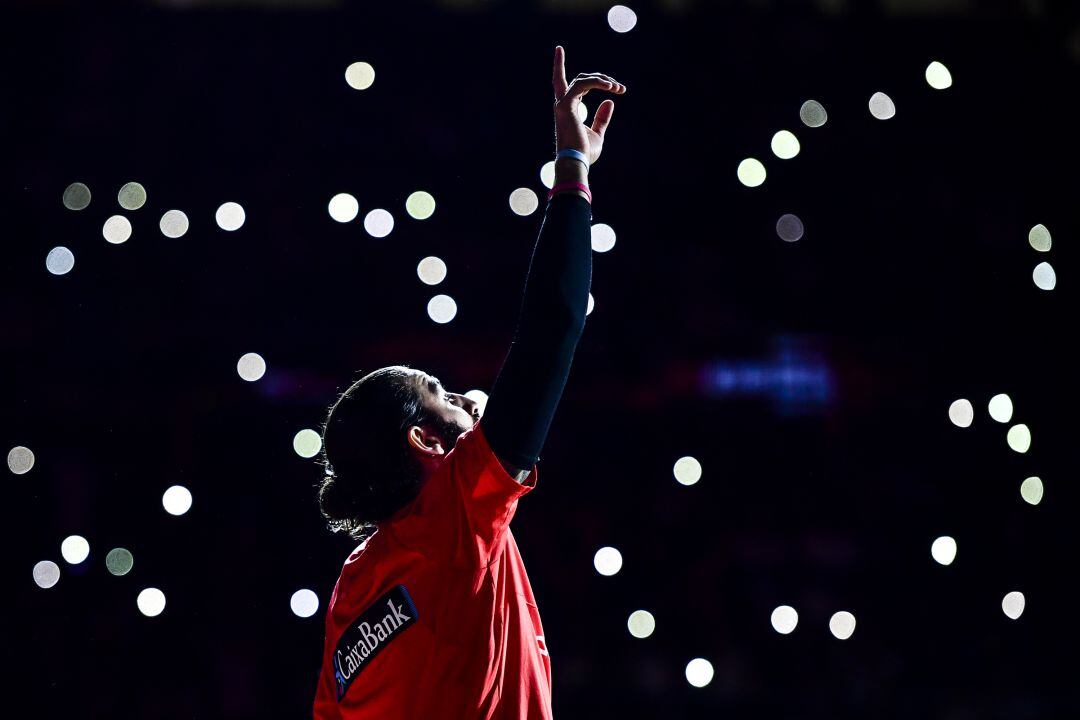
452, 413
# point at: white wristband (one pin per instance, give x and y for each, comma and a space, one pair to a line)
575, 154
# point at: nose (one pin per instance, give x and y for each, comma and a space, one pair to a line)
470, 406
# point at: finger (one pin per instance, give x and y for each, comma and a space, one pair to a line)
558, 73
602, 117
582, 85
619, 87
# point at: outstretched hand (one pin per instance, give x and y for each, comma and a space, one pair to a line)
570, 132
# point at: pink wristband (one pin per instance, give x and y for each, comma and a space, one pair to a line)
570, 186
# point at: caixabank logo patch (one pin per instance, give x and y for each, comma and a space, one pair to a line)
387, 618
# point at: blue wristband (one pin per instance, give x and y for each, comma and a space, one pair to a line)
576, 154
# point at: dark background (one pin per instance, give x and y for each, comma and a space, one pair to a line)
911, 288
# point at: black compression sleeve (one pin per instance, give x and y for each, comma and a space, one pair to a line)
524, 397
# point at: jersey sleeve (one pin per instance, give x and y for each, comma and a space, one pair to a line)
463, 512
489, 495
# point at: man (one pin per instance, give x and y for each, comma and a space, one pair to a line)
433, 615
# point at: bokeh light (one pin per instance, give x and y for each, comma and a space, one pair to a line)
230, 216
307, 443
785, 145
251, 366
547, 174
784, 619
304, 603
174, 224
1001, 408
943, 550
420, 205
523, 201
480, 398
176, 500
603, 237
961, 413
812, 113
751, 172
119, 562
1019, 438
881, 106
687, 470
132, 196
20, 460
699, 672
360, 75
938, 76
1039, 238
1032, 490
582, 111
641, 623
60, 260
76, 196
589, 305
1044, 276
1013, 604
379, 223
789, 227
442, 309
151, 602
116, 229
74, 549
343, 207
621, 19
431, 270
607, 561
842, 625
46, 574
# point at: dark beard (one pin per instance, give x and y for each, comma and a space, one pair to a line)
447, 430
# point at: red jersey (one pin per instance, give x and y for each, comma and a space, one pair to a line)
433, 616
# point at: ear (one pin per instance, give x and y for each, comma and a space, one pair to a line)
425, 442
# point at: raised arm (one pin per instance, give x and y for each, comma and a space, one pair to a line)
529, 385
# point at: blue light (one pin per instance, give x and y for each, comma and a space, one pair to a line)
796, 378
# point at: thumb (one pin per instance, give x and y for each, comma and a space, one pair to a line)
602, 117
